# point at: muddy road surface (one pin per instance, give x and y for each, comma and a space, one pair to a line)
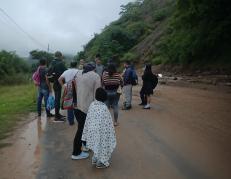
186, 134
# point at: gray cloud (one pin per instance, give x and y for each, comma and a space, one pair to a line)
65, 24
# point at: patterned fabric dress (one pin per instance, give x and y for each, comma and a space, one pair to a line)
99, 132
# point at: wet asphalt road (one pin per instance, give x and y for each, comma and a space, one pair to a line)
186, 134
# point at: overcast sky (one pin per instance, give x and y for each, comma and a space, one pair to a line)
66, 25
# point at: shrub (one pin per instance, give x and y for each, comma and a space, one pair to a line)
132, 57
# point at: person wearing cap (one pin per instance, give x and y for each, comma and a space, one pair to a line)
67, 77
86, 84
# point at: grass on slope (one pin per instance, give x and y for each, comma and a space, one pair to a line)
15, 101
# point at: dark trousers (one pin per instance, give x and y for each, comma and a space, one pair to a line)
57, 101
143, 97
80, 117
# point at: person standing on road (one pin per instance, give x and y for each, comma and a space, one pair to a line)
98, 131
127, 88
67, 77
44, 88
86, 84
111, 81
57, 67
99, 68
149, 83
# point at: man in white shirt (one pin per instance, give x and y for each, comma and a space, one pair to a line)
67, 77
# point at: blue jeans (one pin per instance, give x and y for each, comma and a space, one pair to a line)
70, 116
42, 93
112, 101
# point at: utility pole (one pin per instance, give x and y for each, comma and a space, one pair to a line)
48, 48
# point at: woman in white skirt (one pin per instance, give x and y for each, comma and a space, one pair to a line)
99, 132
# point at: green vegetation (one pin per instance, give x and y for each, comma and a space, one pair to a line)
15, 101
13, 69
185, 32
199, 33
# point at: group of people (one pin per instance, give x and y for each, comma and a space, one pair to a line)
96, 89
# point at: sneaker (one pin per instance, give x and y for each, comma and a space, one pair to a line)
116, 123
59, 120
84, 148
101, 165
60, 116
82, 155
93, 160
142, 104
147, 106
50, 115
126, 107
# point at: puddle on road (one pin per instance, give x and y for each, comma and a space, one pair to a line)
21, 157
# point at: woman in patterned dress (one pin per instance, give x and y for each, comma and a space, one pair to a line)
99, 132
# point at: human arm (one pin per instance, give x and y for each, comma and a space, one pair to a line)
48, 84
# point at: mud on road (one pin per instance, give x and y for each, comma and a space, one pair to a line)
186, 134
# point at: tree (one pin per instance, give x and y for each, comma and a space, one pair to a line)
37, 55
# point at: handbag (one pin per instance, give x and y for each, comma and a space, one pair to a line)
67, 98
36, 77
50, 103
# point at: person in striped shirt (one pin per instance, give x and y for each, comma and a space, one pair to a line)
111, 81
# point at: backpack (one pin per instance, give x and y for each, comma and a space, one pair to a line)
155, 81
51, 72
36, 77
134, 77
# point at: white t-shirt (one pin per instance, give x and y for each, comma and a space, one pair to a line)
69, 74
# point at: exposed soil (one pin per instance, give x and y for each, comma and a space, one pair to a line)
186, 134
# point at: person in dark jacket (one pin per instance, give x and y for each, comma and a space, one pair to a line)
149, 83
57, 68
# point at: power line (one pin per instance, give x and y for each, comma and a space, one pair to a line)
22, 30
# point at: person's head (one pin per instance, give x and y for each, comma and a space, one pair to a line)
88, 67
127, 63
100, 94
58, 55
81, 62
148, 68
73, 64
97, 58
111, 69
42, 62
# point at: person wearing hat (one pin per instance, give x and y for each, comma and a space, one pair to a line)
86, 84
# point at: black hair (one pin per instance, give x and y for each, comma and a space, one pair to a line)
111, 69
73, 64
97, 55
127, 62
100, 95
148, 69
58, 54
42, 61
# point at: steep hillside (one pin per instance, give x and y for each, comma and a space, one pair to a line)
176, 32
